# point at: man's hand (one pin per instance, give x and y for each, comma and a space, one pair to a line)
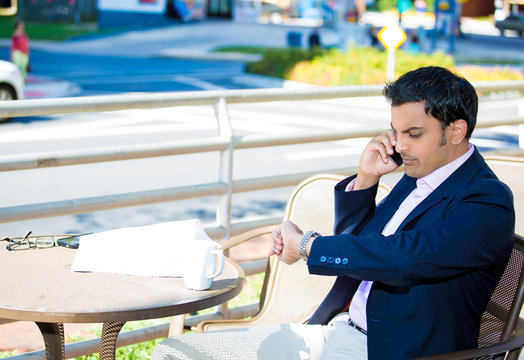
375, 160
286, 238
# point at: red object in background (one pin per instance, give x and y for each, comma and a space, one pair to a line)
147, 1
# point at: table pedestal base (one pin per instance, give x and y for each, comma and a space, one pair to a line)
53, 335
107, 346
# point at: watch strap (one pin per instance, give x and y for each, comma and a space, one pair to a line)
303, 242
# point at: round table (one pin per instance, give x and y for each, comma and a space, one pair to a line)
38, 285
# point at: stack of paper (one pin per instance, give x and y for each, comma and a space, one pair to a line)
151, 250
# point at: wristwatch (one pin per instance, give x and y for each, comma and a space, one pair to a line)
303, 242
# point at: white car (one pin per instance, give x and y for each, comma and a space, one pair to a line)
11, 82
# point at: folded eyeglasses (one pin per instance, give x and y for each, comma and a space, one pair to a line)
30, 242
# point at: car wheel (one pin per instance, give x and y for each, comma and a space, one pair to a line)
6, 94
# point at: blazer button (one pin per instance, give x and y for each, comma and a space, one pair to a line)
323, 259
331, 260
337, 261
345, 261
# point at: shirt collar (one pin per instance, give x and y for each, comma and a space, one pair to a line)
437, 177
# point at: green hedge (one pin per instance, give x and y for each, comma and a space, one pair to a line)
361, 66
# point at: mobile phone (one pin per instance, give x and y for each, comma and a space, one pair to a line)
396, 158
71, 242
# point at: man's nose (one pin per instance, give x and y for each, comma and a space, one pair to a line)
401, 146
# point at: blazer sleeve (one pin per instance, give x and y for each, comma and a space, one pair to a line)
467, 231
353, 209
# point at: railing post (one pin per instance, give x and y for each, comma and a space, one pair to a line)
520, 112
225, 167
225, 176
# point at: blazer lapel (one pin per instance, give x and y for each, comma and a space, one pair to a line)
459, 178
434, 198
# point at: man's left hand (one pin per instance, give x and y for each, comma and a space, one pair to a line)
286, 238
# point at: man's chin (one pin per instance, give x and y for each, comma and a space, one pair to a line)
412, 172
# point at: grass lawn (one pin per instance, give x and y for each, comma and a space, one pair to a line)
46, 31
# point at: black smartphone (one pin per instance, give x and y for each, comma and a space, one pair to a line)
396, 158
71, 242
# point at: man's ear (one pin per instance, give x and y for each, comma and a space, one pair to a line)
459, 128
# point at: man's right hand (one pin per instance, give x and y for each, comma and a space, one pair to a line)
375, 160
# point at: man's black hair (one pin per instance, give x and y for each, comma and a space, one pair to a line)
448, 97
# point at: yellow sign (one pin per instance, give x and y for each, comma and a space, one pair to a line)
391, 36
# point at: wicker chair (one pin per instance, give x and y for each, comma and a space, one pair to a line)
498, 333
310, 207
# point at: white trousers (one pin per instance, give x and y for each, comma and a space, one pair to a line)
334, 341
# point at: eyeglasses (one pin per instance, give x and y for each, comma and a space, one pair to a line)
29, 242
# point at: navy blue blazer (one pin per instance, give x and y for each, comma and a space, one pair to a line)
434, 276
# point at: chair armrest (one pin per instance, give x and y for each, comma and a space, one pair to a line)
514, 344
246, 236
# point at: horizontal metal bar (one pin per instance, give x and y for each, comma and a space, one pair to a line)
264, 140
507, 85
115, 201
234, 313
269, 182
106, 202
254, 267
512, 120
170, 99
36, 107
86, 156
246, 224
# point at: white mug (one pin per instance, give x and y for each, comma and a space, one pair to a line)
200, 261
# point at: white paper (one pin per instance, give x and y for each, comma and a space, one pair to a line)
151, 250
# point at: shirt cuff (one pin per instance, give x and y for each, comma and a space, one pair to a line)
351, 185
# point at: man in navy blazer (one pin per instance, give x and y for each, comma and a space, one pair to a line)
415, 272
429, 279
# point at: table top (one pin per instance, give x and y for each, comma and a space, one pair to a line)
38, 285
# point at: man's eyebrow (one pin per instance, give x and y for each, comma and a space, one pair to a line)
413, 128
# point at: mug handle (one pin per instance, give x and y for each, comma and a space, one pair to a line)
222, 260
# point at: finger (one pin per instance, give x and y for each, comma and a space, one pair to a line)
276, 248
392, 136
276, 234
385, 145
377, 145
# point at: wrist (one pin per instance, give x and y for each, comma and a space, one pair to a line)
363, 181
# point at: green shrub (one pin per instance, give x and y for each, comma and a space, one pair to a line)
278, 62
361, 66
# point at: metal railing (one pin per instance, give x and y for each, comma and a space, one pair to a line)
225, 143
